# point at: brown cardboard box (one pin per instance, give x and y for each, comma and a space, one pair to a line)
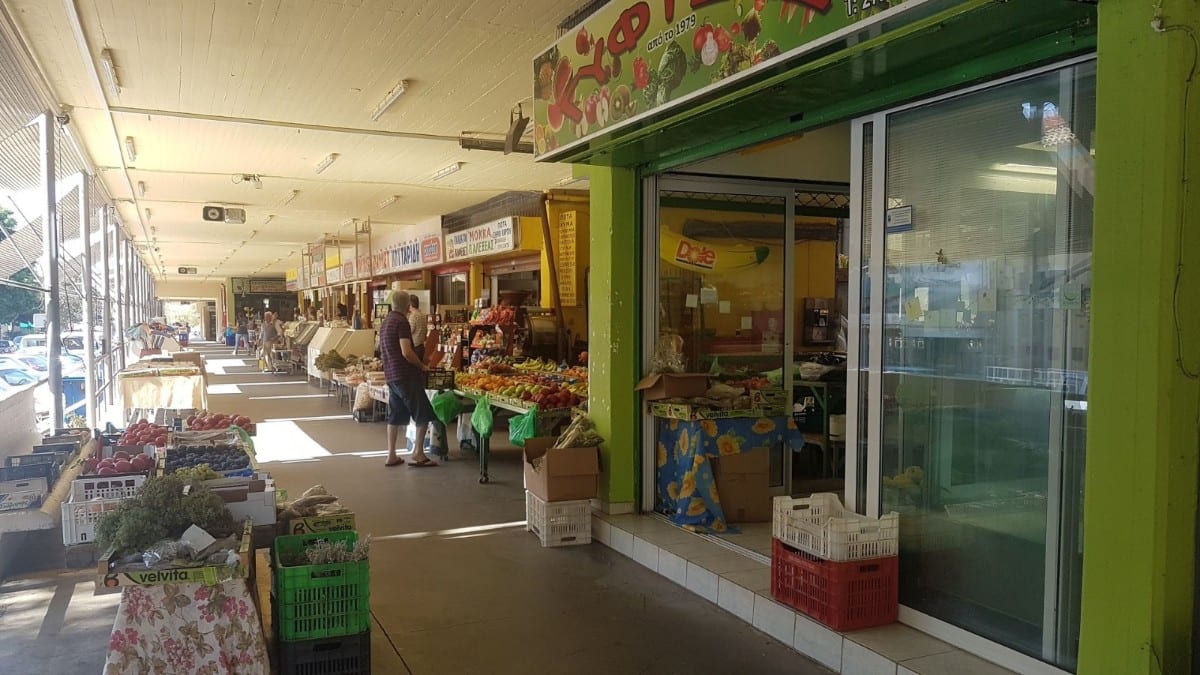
657, 386
562, 474
742, 483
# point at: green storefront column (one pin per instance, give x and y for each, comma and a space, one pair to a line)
1140, 490
614, 299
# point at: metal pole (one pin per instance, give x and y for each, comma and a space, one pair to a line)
106, 298
119, 294
50, 237
89, 335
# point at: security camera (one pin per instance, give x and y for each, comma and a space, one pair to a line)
63, 119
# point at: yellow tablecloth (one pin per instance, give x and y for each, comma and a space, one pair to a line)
187, 628
165, 391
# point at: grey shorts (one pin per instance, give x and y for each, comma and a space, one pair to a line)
408, 401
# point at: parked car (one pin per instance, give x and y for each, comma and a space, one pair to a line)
34, 361
7, 346
31, 342
13, 363
17, 377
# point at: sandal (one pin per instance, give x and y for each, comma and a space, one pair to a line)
423, 463
398, 462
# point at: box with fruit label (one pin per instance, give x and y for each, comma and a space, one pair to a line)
337, 522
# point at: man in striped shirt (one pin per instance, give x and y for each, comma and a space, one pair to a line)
405, 375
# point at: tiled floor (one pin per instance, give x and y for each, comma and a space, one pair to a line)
457, 585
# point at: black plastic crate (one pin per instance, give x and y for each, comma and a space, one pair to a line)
24, 471
439, 380
344, 655
56, 446
36, 458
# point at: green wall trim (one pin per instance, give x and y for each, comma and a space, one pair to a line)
1142, 447
614, 331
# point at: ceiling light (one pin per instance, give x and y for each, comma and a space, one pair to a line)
291, 195
388, 202
147, 214
453, 168
110, 72
396, 92
130, 149
142, 188
1026, 168
325, 163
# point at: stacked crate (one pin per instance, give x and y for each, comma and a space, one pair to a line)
834, 565
322, 612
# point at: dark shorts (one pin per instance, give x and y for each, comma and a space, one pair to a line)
408, 401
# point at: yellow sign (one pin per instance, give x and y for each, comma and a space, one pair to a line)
568, 276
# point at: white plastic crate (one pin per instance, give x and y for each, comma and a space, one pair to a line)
821, 526
79, 519
106, 487
559, 523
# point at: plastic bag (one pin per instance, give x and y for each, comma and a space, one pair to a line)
362, 397
668, 354
522, 427
446, 406
481, 419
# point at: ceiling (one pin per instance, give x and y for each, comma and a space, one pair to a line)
212, 90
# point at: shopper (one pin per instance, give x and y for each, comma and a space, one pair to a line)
268, 338
405, 375
420, 325
243, 335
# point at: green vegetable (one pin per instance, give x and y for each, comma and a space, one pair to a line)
161, 510
671, 70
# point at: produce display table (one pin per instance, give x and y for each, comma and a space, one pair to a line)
187, 628
687, 489
164, 391
547, 422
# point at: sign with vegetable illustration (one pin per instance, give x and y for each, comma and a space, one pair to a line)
631, 57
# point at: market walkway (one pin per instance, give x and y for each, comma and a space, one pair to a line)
458, 586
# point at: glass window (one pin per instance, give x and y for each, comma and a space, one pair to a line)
984, 364
452, 289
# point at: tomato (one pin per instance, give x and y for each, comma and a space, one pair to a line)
701, 37
735, 28
760, 5
641, 73
724, 42
583, 41
143, 422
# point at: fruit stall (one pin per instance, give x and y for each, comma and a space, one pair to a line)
163, 384
179, 516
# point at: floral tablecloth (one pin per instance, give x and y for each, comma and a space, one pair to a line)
687, 489
187, 628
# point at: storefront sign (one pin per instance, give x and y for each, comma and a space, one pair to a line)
565, 259
267, 286
497, 236
348, 270
899, 219
631, 56
334, 275
291, 279
410, 249
431, 249
363, 266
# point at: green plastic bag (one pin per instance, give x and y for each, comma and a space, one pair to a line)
481, 419
446, 406
522, 427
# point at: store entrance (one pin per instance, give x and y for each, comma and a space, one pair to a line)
750, 288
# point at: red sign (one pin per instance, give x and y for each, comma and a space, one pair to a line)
696, 254
431, 249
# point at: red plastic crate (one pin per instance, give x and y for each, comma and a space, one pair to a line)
842, 595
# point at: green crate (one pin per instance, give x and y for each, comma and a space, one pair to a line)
319, 601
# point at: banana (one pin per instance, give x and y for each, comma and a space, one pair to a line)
698, 256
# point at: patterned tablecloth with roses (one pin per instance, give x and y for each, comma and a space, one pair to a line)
187, 628
687, 489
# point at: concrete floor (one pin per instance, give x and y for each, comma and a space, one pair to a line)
458, 585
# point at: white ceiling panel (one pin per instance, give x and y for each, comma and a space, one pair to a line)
213, 89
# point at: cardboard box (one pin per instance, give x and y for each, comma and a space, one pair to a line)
743, 485
109, 575
692, 413
337, 522
562, 474
657, 386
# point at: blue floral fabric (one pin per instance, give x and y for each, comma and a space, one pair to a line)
687, 489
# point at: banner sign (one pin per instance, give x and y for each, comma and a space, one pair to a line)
267, 286
497, 236
565, 258
334, 275
631, 57
363, 266
410, 249
348, 270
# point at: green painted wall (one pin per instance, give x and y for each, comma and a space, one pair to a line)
1140, 492
614, 299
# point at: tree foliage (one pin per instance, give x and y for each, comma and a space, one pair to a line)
17, 304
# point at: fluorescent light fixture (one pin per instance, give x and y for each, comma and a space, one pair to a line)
569, 180
142, 188
1026, 168
147, 214
325, 163
291, 195
130, 149
388, 202
453, 168
110, 72
396, 92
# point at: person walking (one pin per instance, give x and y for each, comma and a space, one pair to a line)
243, 335
268, 337
419, 321
405, 375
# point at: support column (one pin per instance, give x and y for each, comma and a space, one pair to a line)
121, 293
106, 298
50, 241
87, 286
613, 328
1141, 478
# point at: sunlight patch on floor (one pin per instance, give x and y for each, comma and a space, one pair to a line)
455, 533
283, 441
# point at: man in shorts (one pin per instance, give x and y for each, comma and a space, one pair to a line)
406, 382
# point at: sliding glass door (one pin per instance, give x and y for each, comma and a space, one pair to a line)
975, 216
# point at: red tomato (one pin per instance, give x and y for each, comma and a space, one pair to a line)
641, 73
701, 37
759, 5
724, 42
583, 41
735, 28
143, 422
